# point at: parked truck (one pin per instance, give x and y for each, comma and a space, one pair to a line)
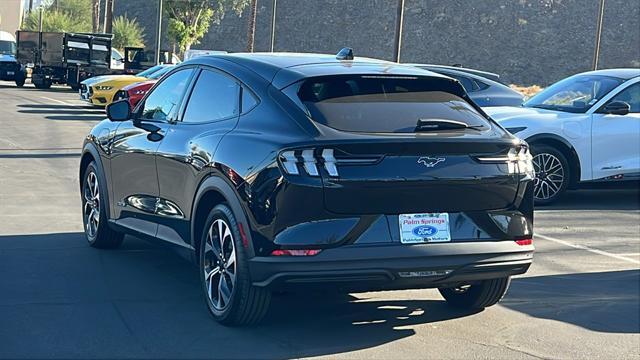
64, 58
10, 68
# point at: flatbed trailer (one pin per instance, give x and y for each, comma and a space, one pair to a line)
64, 58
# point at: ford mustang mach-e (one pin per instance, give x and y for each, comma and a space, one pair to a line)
583, 129
288, 171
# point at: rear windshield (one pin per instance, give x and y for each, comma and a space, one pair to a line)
387, 104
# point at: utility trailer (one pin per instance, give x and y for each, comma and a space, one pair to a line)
64, 58
137, 59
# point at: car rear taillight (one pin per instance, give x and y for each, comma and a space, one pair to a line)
312, 160
305, 252
524, 242
518, 160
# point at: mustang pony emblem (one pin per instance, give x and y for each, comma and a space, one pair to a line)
429, 161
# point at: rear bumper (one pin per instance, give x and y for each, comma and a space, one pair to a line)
386, 267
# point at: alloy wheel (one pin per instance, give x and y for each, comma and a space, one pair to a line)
219, 264
92, 205
550, 176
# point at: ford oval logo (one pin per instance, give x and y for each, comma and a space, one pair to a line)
425, 230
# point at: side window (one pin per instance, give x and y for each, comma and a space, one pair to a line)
466, 82
248, 100
215, 97
631, 96
164, 100
479, 84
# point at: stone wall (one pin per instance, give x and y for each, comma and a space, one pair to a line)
526, 41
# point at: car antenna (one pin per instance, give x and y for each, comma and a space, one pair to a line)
345, 54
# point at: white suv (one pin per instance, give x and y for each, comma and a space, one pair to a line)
583, 128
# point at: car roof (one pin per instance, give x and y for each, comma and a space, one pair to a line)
621, 73
283, 69
460, 70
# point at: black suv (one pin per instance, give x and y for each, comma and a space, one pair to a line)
288, 171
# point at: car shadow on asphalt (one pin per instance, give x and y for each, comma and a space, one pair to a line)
54, 106
26, 155
601, 301
63, 298
30, 87
64, 112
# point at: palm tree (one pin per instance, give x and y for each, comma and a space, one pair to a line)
95, 18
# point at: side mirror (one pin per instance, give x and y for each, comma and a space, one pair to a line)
119, 110
617, 108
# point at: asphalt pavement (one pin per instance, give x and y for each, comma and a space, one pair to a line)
59, 298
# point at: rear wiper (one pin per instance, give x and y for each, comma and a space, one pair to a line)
443, 124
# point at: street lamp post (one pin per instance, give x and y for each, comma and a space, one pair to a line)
159, 32
273, 25
596, 52
398, 40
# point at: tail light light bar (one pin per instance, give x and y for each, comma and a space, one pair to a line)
518, 160
311, 160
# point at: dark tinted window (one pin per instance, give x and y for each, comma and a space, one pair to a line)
214, 97
7, 47
631, 96
479, 84
165, 99
384, 104
465, 81
248, 100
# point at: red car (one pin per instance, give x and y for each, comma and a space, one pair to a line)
135, 92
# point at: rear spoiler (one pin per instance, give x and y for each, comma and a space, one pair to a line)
457, 67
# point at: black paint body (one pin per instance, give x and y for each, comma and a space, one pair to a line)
164, 176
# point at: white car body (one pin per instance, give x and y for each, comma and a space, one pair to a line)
117, 60
606, 145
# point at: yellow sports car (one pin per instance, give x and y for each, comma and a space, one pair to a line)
102, 90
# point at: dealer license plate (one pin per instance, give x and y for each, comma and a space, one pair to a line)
424, 228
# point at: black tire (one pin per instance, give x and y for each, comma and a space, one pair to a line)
42, 85
104, 237
546, 182
20, 80
246, 304
477, 296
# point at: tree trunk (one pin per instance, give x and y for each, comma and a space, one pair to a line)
95, 18
251, 32
108, 17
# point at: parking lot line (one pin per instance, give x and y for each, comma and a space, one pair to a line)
590, 249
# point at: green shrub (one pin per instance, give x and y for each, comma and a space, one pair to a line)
127, 32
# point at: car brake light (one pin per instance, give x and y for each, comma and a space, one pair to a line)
310, 162
307, 158
518, 160
288, 160
329, 162
524, 242
313, 160
306, 252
